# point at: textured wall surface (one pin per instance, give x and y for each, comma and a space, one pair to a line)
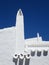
8, 48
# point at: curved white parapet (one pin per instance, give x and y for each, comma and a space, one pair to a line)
46, 49
21, 56
15, 56
28, 56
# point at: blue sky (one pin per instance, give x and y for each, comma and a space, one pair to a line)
36, 16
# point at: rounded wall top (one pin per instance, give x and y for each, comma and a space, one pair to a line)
20, 12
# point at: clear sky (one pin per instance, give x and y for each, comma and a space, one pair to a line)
36, 16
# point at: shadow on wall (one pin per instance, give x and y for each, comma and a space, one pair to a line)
21, 61
15, 61
39, 53
27, 61
45, 53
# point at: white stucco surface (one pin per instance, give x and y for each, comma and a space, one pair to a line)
8, 48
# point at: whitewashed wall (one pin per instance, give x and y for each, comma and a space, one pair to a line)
7, 49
